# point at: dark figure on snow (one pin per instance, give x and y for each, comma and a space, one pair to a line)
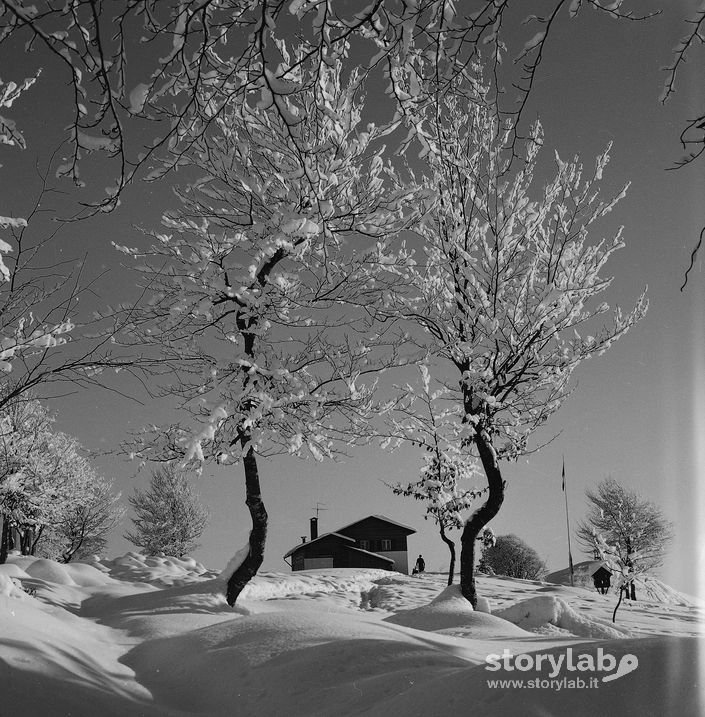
420, 565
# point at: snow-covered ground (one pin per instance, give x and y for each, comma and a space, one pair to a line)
154, 636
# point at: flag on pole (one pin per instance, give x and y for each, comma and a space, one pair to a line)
563, 476
567, 522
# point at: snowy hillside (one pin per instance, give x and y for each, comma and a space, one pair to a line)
649, 588
154, 636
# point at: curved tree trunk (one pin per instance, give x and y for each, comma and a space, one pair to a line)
75, 546
451, 548
619, 602
258, 535
482, 516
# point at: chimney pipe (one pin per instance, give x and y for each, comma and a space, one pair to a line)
314, 528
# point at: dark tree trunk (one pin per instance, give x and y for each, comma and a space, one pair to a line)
629, 588
451, 548
35, 540
26, 536
5, 540
68, 554
482, 516
258, 535
616, 607
75, 546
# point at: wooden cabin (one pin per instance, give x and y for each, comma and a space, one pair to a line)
372, 542
601, 576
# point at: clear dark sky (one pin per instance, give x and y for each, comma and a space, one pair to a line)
637, 412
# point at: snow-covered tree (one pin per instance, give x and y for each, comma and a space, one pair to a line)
505, 284
164, 69
43, 475
34, 306
25, 450
249, 281
626, 568
169, 516
51, 331
692, 136
10, 135
83, 528
41, 340
31, 320
420, 418
628, 523
511, 556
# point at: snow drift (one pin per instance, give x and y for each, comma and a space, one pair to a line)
155, 637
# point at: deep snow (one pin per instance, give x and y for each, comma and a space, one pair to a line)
154, 636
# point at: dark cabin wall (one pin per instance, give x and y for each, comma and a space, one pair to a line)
339, 550
360, 560
327, 547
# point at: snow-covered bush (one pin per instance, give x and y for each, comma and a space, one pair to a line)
511, 556
50, 495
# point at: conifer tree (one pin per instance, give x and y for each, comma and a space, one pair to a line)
168, 518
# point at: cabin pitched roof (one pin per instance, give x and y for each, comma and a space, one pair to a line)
382, 518
595, 565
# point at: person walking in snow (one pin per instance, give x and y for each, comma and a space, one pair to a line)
420, 565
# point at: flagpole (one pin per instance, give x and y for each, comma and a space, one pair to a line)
567, 525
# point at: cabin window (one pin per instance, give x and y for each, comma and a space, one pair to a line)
386, 544
365, 544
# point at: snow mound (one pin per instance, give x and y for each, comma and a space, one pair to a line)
13, 571
53, 664
79, 573
395, 592
540, 612
269, 586
8, 588
451, 610
325, 664
157, 570
484, 605
87, 575
21, 561
50, 571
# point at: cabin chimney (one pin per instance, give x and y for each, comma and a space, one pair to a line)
314, 528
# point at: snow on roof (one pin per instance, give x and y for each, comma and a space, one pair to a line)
583, 570
595, 565
380, 517
320, 537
